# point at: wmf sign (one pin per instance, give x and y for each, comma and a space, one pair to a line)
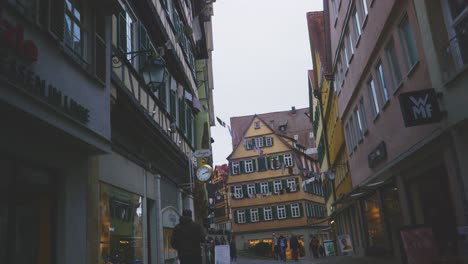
420, 107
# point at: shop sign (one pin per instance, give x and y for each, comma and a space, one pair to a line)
13, 37
329, 246
344, 242
420, 107
419, 244
202, 153
377, 155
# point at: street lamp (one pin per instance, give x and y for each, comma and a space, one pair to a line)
154, 73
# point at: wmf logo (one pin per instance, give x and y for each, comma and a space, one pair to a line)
420, 107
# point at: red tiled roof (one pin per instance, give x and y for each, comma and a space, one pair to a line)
316, 26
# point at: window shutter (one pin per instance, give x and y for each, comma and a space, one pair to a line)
143, 42
288, 210
254, 165
57, 18
272, 141
296, 180
247, 216
232, 192
230, 168
260, 214
269, 161
270, 186
264, 141
257, 188
236, 220
274, 211
244, 191
284, 184
241, 167
261, 164
281, 159
301, 210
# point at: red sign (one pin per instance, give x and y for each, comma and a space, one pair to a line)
419, 244
13, 37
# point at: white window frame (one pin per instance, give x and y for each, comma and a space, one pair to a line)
241, 219
269, 141
288, 160
238, 193
295, 212
363, 115
451, 23
407, 42
345, 53
291, 183
393, 63
235, 167
382, 82
364, 8
281, 211
78, 49
248, 166
254, 217
358, 119
373, 97
267, 214
257, 124
259, 142
250, 189
277, 186
264, 187
356, 24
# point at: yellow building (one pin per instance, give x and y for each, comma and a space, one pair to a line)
268, 196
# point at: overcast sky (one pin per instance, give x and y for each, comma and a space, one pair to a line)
260, 60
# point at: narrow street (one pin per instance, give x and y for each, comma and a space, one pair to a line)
327, 260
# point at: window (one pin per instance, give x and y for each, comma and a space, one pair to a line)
362, 115
259, 142
277, 186
74, 34
235, 167
269, 141
267, 214
291, 183
281, 210
257, 124
408, 42
254, 215
264, 187
238, 192
364, 8
360, 127
295, 210
456, 20
288, 161
274, 162
240, 216
249, 166
382, 83
354, 136
251, 189
356, 24
393, 63
344, 51
373, 97
349, 44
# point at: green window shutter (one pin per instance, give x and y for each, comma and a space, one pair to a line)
296, 180
301, 210
270, 186
230, 167
288, 210
264, 141
236, 220
281, 159
260, 214
244, 191
247, 216
284, 184
254, 165
269, 161
272, 141
262, 164
257, 188
241, 166
274, 211
57, 18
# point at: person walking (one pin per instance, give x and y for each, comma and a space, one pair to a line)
322, 250
187, 238
283, 244
233, 250
294, 246
314, 245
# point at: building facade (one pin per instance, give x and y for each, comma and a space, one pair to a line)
331, 147
110, 165
269, 195
401, 159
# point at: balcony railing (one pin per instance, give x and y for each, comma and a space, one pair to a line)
455, 57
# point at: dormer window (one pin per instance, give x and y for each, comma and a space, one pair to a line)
282, 128
257, 124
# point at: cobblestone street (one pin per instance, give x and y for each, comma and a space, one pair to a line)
327, 260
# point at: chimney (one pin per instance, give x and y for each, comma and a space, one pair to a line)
293, 110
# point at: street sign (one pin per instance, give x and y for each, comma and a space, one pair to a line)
202, 153
420, 107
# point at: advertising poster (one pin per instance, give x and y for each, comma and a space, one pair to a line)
329, 247
419, 244
344, 243
222, 254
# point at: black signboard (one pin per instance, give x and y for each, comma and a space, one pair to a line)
420, 107
377, 155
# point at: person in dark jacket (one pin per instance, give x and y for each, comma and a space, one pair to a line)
294, 246
187, 238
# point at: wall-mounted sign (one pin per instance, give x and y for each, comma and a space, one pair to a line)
13, 37
420, 107
202, 153
377, 155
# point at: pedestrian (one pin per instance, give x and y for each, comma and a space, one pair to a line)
283, 244
276, 249
322, 250
233, 250
187, 238
216, 241
314, 244
223, 241
294, 246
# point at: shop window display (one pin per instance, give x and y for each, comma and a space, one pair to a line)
121, 226
375, 230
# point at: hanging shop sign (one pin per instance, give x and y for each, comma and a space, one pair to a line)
420, 107
15, 71
202, 153
378, 154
